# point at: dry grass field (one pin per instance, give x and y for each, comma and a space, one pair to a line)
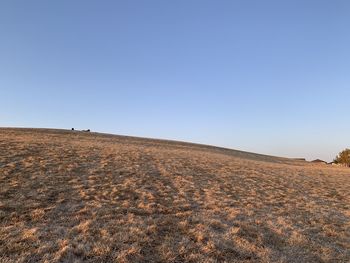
68, 196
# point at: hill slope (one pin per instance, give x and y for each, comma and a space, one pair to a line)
84, 197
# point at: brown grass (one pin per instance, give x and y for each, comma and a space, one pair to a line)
78, 197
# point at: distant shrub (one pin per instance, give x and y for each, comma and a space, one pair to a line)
343, 158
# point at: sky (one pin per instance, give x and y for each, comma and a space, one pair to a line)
270, 77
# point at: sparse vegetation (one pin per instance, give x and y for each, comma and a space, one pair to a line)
83, 197
343, 158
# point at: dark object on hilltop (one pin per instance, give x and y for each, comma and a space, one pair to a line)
299, 159
88, 130
343, 158
319, 161
72, 129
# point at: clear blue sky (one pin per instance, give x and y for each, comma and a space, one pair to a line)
265, 76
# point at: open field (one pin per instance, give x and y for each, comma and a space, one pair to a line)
83, 197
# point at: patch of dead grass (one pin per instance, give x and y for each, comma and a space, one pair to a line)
76, 197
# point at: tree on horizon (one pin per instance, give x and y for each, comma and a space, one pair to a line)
343, 157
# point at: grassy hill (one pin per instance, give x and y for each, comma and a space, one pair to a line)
68, 196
